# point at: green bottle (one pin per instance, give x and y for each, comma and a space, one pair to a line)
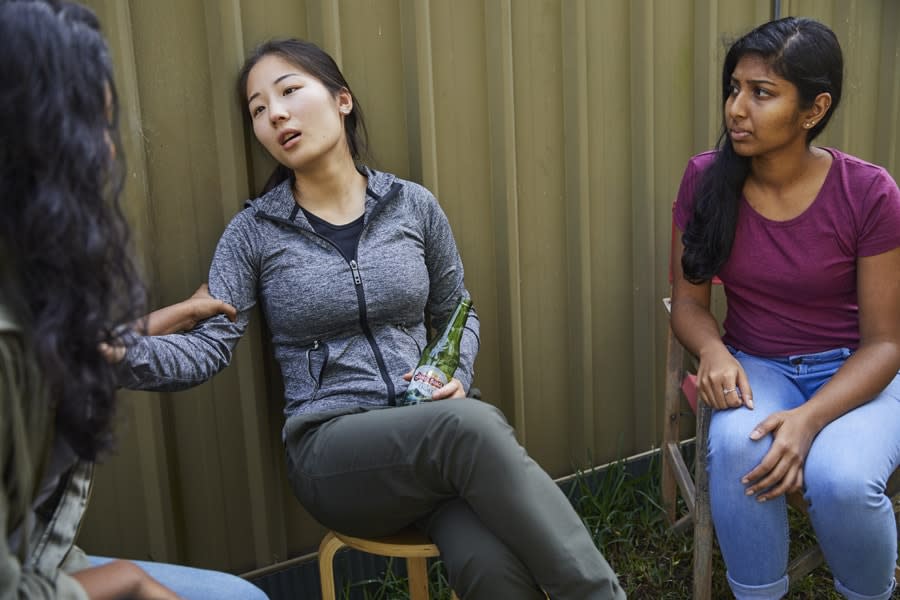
439, 359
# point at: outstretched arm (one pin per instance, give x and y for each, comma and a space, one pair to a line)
182, 316
182, 360
185, 315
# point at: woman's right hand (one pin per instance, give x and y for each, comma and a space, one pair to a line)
721, 380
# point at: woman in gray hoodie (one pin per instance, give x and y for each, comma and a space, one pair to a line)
346, 263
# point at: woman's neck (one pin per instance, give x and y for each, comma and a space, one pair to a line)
784, 170
782, 188
335, 192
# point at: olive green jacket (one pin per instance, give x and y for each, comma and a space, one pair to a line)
38, 568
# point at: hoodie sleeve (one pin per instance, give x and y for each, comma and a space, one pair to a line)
182, 360
445, 272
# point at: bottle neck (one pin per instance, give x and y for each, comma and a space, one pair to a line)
460, 315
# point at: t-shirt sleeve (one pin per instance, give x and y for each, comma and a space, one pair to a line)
684, 202
880, 222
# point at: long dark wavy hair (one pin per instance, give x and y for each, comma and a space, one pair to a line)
320, 65
802, 51
67, 272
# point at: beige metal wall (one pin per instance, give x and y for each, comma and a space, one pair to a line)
554, 133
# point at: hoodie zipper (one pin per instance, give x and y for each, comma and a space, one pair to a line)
361, 298
360, 292
367, 331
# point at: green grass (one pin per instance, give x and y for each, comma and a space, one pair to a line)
623, 514
392, 587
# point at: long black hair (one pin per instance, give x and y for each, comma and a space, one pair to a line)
802, 51
320, 65
67, 273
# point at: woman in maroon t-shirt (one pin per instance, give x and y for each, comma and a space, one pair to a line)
805, 381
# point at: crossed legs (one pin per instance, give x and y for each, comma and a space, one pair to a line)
455, 468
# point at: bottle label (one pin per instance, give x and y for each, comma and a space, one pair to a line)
425, 380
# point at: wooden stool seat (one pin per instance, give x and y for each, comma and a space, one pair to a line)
409, 543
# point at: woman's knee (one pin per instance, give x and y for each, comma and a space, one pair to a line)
839, 489
729, 444
471, 418
844, 472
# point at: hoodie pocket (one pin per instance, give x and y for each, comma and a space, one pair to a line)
405, 331
316, 361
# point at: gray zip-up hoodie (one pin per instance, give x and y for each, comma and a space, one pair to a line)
344, 329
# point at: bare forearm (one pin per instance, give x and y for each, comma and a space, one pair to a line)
865, 374
119, 580
695, 327
185, 315
170, 319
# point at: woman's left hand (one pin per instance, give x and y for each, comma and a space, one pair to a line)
452, 389
781, 469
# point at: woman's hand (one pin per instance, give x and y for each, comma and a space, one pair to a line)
721, 380
121, 579
452, 389
781, 469
112, 353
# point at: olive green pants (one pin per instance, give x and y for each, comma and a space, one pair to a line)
454, 469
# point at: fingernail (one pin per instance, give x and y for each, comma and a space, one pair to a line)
745, 481
749, 402
755, 434
749, 492
761, 499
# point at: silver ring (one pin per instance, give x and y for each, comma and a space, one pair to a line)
724, 391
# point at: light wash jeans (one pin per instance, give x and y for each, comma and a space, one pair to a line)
195, 584
845, 476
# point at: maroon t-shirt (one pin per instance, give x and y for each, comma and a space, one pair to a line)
791, 285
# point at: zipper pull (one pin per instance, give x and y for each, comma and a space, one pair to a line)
355, 268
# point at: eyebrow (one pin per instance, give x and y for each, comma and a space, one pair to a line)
286, 75
766, 81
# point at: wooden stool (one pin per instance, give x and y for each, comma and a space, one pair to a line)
409, 544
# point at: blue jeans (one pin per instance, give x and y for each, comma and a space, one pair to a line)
195, 584
845, 476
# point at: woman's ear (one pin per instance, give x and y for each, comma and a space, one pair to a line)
821, 106
345, 102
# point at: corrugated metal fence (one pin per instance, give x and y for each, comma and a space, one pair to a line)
554, 133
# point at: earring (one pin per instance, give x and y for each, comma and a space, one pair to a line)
808, 124
345, 110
